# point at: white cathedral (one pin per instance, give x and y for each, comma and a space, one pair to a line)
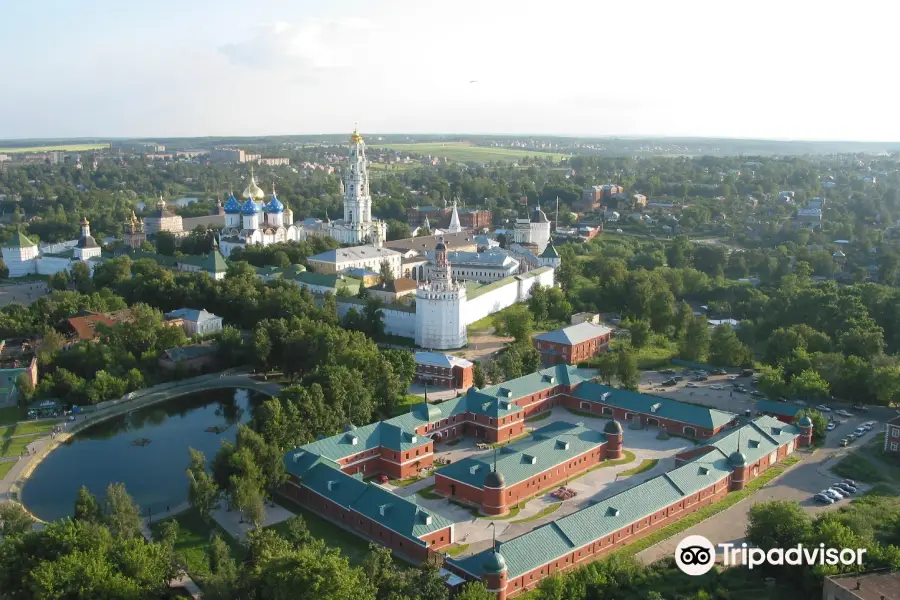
255, 221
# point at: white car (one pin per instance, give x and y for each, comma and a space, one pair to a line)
833, 493
843, 413
717, 386
691, 384
823, 408
831, 426
735, 378
868, 425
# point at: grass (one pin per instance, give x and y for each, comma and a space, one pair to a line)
466, 152
707, 511
405, 482
15, 446
61, 148
855, 466
456, 549
539, 417
428, 493
628, 456
406, 401
542, 513
582, 413
512, 514
355, 548
6, 467
11, 414
646, 465
26, 428
194, 541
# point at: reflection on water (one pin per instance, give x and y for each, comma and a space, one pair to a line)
152, 473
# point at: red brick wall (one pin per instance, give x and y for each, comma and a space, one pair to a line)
892, 436
463, 377
620, 415
555, 353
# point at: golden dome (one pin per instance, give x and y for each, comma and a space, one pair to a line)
355, 138
252, 190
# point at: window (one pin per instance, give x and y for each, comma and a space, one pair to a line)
894, 446
896, 433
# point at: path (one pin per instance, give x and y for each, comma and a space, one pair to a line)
183, 580
231, 521
12, 482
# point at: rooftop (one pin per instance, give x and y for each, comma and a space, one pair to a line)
396, 286
870, 586
192, 314
353, 253
544, 449
779, 408
441, 360
426, 243
85, 324
664, 408
574, 334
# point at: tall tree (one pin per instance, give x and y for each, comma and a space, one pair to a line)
478, 375
627, 369
695, 344
203, 493
725, 349
121, 514
14, 520
87, 508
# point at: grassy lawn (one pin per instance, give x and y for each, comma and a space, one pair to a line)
466, 152
5, 467
194, 540
456, 549
353, 547
539, 417
543, 513
627, 457
11, 414
26, 428
63, 148
405, 482
15, 446
888, 463
646, 465
513, 513
428, 493
856, 466
657, 355
482, 325
707, 511
406, 401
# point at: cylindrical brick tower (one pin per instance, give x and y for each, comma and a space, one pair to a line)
493, 501
740, 472
494, 568
806, 431
613, 431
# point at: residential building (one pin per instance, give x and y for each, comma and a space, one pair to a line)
594, 197
444, 370
274, 162
879, 585
195, 357
402, 290
221, 155
197, 322
573, 344
365, 257
585, 317
84, 325
892, 435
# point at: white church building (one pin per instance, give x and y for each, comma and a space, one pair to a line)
257, 222
23, 257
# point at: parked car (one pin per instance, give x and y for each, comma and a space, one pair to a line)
845, 442
868, 425
719, 371
746, 372
844, 487
831, 426
717, 386
833, 493
850, 482
823, 499
757, 394
741, 390
686, 372
701, 378
823, 408
799, 402
678, 378
691, 384
735, 378
860, 408
843, 413
859, 431
667, 372
782, 399
850, 437
669, 382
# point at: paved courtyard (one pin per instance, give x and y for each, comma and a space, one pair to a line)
595, 485
23, 293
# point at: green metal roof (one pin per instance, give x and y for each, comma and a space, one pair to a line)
550, 252
495, 400
328, 280
779, 408
756, 439
369, 437
19, 241
663, 408
545, 448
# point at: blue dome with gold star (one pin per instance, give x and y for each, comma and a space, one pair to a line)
274, 205
232, 206
250, 207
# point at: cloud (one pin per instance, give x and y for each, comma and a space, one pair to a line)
314, 45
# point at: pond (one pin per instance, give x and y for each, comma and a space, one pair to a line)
146, 449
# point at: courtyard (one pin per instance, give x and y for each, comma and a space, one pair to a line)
24, 292
473, 532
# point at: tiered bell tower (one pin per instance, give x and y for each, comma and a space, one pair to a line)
357, 201
440, 304
134, 235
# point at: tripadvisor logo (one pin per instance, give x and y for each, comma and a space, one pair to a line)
696, 555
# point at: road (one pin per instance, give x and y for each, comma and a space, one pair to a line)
797, 484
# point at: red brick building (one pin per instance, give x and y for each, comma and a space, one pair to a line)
892, 435
518, 565
475, 218
524, 469
573, 344
444, 370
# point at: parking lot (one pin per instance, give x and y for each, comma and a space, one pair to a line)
595, 485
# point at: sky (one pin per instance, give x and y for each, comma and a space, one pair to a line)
782, 69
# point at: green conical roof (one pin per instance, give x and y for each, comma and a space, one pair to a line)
550, 251
19, 241
216, 263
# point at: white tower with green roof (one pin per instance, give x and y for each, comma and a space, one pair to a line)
20, 255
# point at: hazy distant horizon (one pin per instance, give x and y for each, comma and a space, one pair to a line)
576, 68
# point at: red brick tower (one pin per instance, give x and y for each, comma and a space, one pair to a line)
613, 431
494, 568
493, 500
740, 471
806, 431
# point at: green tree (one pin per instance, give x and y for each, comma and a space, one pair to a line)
607, 366
121, 514
725, 349
683, 317
87, 508
247, 497
166, 244
516, 321
475, 590
478, 375
640, 332
81, 277
203, 493
777, 524
886, 384
627, 369
221, 583
59, 280
809, 384
14, 520
281, 259
397, 230
387, 274
695, 344
771, 381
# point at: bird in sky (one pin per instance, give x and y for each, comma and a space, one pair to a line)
474, 81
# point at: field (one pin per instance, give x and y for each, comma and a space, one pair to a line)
63, 148
466, 152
